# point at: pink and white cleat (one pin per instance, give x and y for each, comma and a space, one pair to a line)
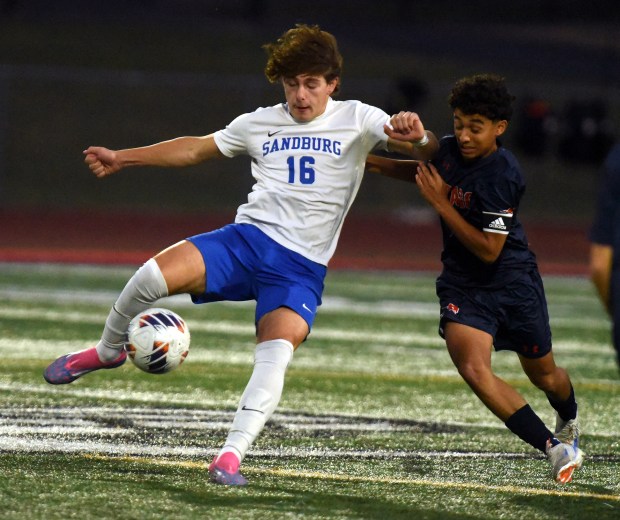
225, 470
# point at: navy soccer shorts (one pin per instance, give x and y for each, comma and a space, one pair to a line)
515, 315
243, 264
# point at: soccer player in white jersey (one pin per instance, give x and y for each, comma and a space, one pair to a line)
308, 159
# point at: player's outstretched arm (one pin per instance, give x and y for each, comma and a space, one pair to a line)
404, 170
182, 151
407, 135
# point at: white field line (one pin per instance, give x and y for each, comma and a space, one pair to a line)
113, 431
229, 327
395, 361
25, 445
332, 304
63, 423
189, 398
394, 349
89, 419
196, 397
236, 328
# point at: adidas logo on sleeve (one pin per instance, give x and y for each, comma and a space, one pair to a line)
497, 222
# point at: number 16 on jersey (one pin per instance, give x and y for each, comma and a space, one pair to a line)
303, 170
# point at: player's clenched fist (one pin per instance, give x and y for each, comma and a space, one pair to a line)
405, 126
101, 161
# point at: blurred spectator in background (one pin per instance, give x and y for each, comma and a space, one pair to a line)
587, 132
605, 244
535, 124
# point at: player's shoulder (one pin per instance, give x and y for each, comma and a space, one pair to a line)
344, 103
448, 142
507, 160
502, 168
448, 150
268, 115
352, 105
356, 113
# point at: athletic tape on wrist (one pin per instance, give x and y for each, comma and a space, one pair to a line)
423, 141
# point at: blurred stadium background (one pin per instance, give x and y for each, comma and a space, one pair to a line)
130, 73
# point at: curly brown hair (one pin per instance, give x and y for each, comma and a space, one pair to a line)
304, 49
484, 94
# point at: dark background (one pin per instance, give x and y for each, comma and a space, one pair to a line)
130, 73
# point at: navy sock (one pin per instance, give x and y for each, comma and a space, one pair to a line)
526, 425
567, 410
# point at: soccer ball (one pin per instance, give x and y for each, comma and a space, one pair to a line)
157, 341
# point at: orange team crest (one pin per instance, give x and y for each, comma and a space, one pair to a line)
453, 308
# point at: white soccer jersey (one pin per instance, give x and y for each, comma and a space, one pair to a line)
307, 174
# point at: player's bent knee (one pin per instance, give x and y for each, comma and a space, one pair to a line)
282, 324
473, 373
183, 268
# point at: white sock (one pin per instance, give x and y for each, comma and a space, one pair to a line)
261, 395
144, 288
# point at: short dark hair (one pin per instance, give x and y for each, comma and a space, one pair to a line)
304, 49
484, 94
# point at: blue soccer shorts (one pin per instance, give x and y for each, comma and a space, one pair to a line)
515, 315
243, 263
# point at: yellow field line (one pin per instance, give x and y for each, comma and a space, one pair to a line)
385, 480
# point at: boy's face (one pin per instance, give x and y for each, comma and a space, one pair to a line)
307, 96
476, 134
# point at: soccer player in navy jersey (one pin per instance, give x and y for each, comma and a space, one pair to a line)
490, 291
605, 244
308, 156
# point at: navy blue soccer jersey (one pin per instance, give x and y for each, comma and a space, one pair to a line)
606, 225
486, 193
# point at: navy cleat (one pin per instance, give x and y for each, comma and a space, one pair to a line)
69, 367
224, 470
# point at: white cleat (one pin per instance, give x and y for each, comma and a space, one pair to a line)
564, 459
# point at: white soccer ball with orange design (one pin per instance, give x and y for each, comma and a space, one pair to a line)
157, 340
